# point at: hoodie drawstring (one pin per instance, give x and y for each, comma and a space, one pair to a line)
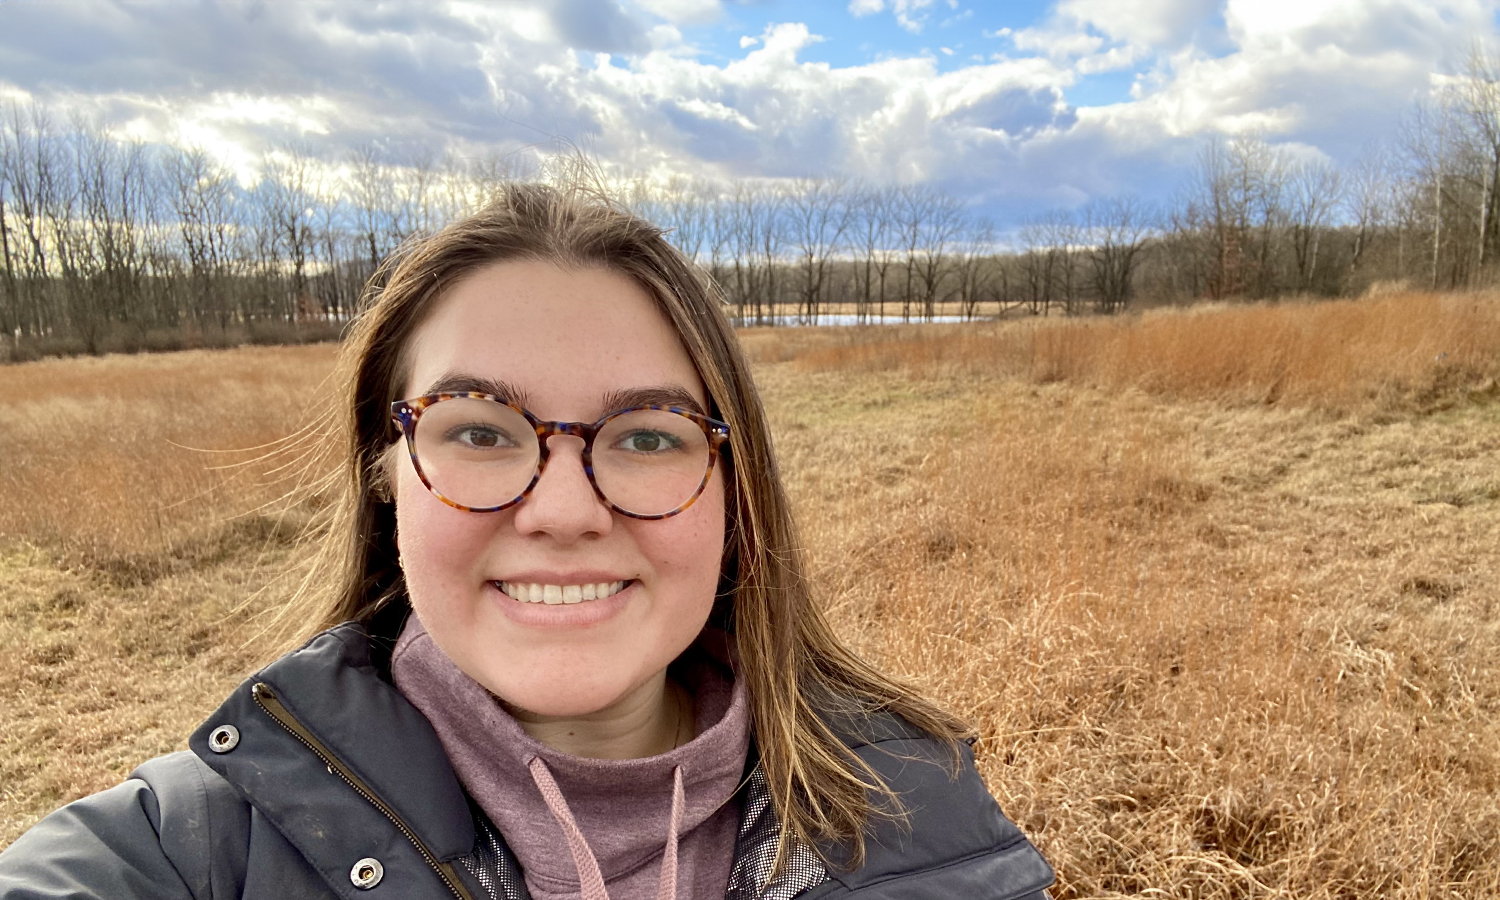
590, 878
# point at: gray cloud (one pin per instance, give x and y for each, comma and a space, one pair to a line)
601, 25
1018, 111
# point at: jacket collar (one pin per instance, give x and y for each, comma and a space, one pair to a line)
332, 689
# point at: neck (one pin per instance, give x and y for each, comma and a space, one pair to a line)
652, 720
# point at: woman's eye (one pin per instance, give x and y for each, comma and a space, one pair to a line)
648, 442
482, 437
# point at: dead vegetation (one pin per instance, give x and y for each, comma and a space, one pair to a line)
1214, 588
1342, 355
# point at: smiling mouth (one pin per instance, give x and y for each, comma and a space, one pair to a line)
553, 594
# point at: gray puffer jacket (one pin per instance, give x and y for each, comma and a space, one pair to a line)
317, 779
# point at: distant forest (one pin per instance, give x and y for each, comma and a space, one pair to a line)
113, 244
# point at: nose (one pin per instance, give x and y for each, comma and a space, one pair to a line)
563, 502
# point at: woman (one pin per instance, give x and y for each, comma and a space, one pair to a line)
567, 649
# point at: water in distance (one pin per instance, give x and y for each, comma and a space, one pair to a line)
836, 319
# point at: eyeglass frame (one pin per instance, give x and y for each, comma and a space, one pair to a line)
406, 414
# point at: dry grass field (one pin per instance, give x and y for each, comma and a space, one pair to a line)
1216, 588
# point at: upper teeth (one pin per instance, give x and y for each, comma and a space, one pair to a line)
560, 593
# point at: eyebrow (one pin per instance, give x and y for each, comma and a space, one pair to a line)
628, 398
657, 395
457, 383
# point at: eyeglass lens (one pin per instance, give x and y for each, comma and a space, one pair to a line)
482, 454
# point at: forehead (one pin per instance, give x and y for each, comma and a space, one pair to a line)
566, 337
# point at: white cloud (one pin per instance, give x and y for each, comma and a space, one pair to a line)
1165, 24
1058, 44
911, 15
684, 12
711, 110
748, 41
771, 114
1111, 60
1272, 18
1313, 66
668, 39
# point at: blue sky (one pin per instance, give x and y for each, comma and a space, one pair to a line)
1015, 107
970, 32
953, 37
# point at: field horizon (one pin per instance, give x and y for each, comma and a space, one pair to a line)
1214, 586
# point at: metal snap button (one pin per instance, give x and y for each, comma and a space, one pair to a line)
367, 873
224, 739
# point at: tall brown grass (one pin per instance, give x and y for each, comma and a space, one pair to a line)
1187, 682
1215, 588
1324, 353
128, 458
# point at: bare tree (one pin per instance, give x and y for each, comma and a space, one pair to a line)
333, 299
1429, 145
1315, 192
974, 267
69, 239
756, 225
772, 240
818, 216
115, 210
946, 220
721, 225
1037, 261
372, 205
1237, 189
1479, 97
914, 208
1365, 201
871, 230
29, 161
1116, 232
10, 307
291, 185
1060, 234
680, 206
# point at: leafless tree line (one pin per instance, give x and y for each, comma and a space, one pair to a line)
807, 248
112, 244
1417, 210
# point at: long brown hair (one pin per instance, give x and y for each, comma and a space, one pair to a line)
794, 666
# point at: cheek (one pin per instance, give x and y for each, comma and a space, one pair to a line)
690, 548
440, 549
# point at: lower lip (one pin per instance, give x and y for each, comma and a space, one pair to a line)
563, 615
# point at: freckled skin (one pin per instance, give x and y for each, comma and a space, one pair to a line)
565, 338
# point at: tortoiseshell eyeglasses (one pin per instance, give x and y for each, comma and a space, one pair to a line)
479, 453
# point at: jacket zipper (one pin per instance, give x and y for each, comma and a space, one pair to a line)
267, 700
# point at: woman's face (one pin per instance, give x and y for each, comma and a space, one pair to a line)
567, 346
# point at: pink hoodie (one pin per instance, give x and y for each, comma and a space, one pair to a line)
614, 816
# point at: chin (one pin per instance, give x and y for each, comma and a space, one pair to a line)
559, 699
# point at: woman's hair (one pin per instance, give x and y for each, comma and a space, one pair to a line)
794, 666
